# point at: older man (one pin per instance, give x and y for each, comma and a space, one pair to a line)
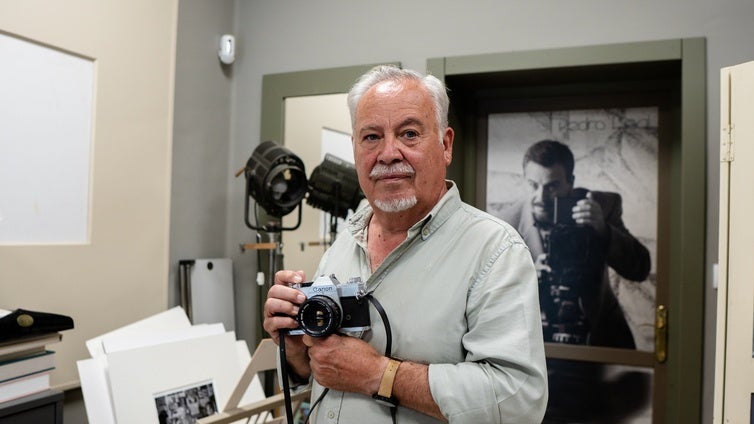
458, 286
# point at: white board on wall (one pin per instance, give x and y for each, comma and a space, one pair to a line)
46, 120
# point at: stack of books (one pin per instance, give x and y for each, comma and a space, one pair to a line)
25, 359
25, 365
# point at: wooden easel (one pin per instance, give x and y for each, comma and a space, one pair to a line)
264, 359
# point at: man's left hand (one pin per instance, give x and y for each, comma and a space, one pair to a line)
589, 212
345, 363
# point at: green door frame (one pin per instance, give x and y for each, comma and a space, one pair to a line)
278, 87
682, 385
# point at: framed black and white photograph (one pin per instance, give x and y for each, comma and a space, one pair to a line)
186, 405
596, 273
615, 151
597, 289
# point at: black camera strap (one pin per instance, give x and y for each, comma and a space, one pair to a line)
386, 322
284, 377
284, 362
388, 338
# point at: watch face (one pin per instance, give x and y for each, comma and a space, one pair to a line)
390, 402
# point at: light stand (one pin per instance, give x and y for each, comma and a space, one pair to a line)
276, 179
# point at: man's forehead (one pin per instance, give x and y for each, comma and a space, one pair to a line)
556, 171
395, 100
388, 87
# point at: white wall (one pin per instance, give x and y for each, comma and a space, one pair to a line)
294, 35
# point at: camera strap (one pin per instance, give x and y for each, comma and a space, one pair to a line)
284, 362
388, 337
284, 377
385, 322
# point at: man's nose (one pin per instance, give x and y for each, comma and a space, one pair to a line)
539, 194
390, 150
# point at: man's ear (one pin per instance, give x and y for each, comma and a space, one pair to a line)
447, 142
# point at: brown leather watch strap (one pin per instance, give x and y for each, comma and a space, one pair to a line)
388, 378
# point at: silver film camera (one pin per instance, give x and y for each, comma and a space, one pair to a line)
331, 306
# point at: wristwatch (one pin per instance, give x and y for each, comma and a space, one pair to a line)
385, 393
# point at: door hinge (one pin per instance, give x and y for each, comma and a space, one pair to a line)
726, 144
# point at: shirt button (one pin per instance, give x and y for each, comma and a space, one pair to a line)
330, 414
425, 231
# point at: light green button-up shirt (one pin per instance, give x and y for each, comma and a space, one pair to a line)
461, 295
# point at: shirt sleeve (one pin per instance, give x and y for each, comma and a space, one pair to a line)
625, 254
504, 378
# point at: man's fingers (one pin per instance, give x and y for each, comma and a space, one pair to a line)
278, 307
275, 323
286, 293
288, 277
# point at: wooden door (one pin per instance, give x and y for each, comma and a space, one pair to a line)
734, 387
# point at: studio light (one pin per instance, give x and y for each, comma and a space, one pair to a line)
334, 187
276, 179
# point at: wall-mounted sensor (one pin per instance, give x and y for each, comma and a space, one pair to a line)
227, 51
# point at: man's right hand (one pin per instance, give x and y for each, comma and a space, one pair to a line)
280, 308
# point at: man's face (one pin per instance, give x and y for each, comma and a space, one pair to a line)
400, 159
545, 184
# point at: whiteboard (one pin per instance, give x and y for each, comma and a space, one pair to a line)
46, 120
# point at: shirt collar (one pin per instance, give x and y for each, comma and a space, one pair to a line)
448, 204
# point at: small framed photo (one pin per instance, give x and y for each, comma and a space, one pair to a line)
185, 405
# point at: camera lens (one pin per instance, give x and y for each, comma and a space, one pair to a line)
319, 316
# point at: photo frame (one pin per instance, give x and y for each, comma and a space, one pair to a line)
616, 155
186, 404
616, 151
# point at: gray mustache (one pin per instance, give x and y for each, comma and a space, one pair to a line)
381, 170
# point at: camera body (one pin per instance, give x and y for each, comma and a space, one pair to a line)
562, 209
332, 306
576, 259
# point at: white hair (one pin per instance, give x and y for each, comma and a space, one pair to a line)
382, 73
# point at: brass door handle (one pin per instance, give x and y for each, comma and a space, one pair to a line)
661, 333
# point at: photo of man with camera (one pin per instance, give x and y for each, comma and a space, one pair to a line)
574, 234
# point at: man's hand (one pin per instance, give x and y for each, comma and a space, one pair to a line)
345, 363
280, 308
589, 212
